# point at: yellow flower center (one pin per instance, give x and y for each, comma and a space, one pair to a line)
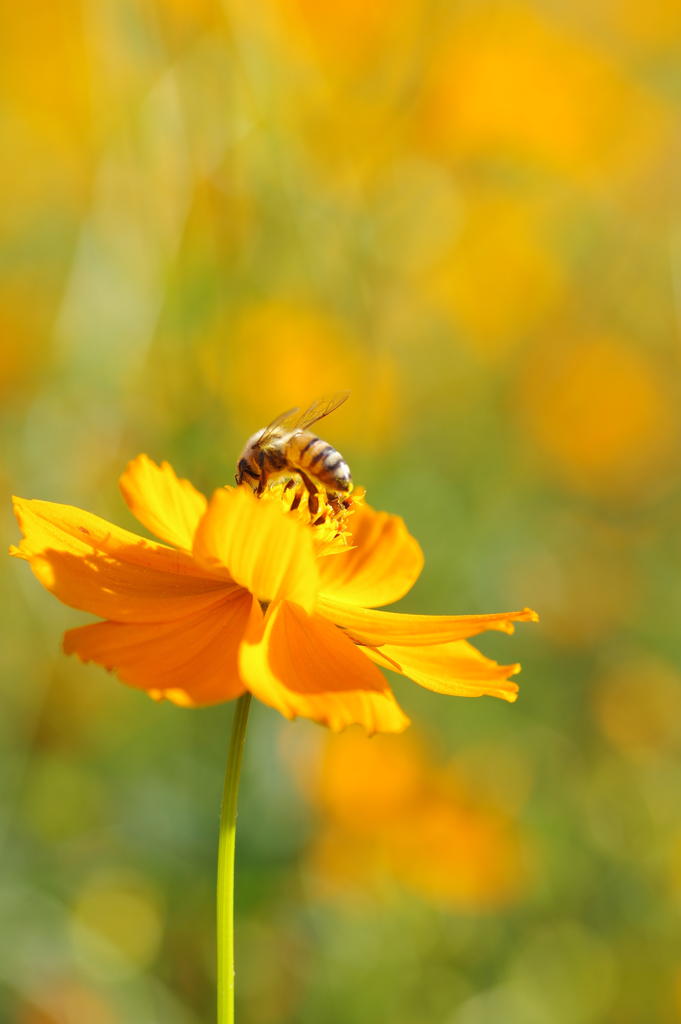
329, 521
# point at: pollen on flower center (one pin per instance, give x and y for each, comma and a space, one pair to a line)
330, 522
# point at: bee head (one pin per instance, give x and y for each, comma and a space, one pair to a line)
248, 468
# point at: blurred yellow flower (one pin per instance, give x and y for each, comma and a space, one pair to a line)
45, 123
44, 67
343, 36
507, 81
388, 811
602, 412
253, 596
500, 278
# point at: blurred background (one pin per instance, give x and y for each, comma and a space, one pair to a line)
469, 213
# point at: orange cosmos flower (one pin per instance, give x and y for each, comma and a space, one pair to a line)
388, 810
251, 595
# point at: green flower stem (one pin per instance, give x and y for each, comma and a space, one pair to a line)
230, 795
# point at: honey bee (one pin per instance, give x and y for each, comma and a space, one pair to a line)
287, 447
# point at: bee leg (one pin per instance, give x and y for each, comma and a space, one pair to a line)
295, 500
298, 496
313, 500
263, 476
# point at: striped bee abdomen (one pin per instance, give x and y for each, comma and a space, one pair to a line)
320, 461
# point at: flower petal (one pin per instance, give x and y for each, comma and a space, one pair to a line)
455, 668
261, 548
302, 665
192, 661
374, 628
384, 564
169, 507
89, 564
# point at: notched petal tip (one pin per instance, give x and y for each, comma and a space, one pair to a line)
95, 566
17, 507
70, 645
505, 622
455, 668
527, 615
168, 506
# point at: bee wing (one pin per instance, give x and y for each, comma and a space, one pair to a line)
290, 414
321, 408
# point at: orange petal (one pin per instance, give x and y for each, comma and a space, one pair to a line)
455, 668
303, 665
169, 507
384, 564
89, 564
192, 661
374, 628
261, 548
